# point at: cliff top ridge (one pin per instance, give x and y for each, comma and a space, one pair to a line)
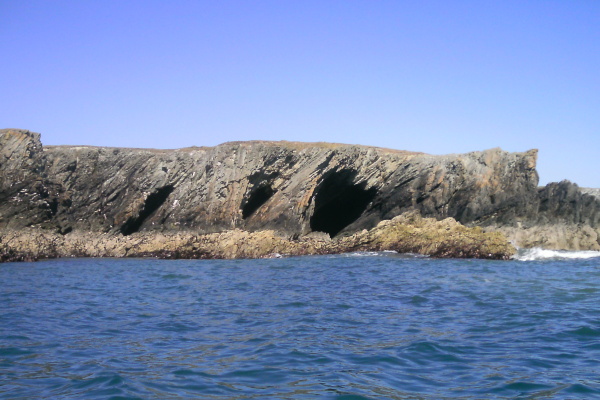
293, 145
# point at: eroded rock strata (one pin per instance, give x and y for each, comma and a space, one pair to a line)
290, 189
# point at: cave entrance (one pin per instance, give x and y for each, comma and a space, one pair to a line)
152, 203
339, 202
256, 199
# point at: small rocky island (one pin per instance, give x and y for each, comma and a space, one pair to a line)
264, 199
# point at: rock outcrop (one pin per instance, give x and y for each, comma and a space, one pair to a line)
292, 189
591, 191
409, 233
566, 217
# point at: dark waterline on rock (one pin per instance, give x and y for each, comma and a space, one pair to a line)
334, 327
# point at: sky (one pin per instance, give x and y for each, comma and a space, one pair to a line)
437, 77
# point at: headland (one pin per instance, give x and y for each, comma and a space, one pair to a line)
257, 199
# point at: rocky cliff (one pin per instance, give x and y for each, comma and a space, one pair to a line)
566, 217
290, 188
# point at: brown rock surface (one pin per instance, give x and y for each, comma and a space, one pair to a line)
404, 234
291, 189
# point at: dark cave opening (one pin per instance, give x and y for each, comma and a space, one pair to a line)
256, 199
339, 202
153, 202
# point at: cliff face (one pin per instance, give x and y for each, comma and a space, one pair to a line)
25, 196
566, 217
291, 188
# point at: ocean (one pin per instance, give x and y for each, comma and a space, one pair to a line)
353, 326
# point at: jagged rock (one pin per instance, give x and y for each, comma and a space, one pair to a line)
410, 233
591, 191
292, 189
567, 217
405, 234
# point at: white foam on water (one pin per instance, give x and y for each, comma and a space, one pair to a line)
364, 254
384, 253
538, 253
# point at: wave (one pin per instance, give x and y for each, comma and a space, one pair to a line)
384, 253
538, 253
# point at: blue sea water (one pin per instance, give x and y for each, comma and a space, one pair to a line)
359, 326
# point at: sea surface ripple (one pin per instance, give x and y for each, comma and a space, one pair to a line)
374, 326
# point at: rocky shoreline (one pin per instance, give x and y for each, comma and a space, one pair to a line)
277, 197
409, 233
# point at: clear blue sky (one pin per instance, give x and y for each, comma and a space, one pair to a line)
432, 76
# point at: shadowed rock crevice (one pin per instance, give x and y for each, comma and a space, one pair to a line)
153, 202
339, 202
256, 199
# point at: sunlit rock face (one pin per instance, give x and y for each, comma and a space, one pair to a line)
408, 233
291, 188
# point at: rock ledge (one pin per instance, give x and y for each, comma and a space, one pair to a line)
409, 233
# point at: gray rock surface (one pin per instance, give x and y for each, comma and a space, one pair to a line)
567, 217
592, 191
291, 188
